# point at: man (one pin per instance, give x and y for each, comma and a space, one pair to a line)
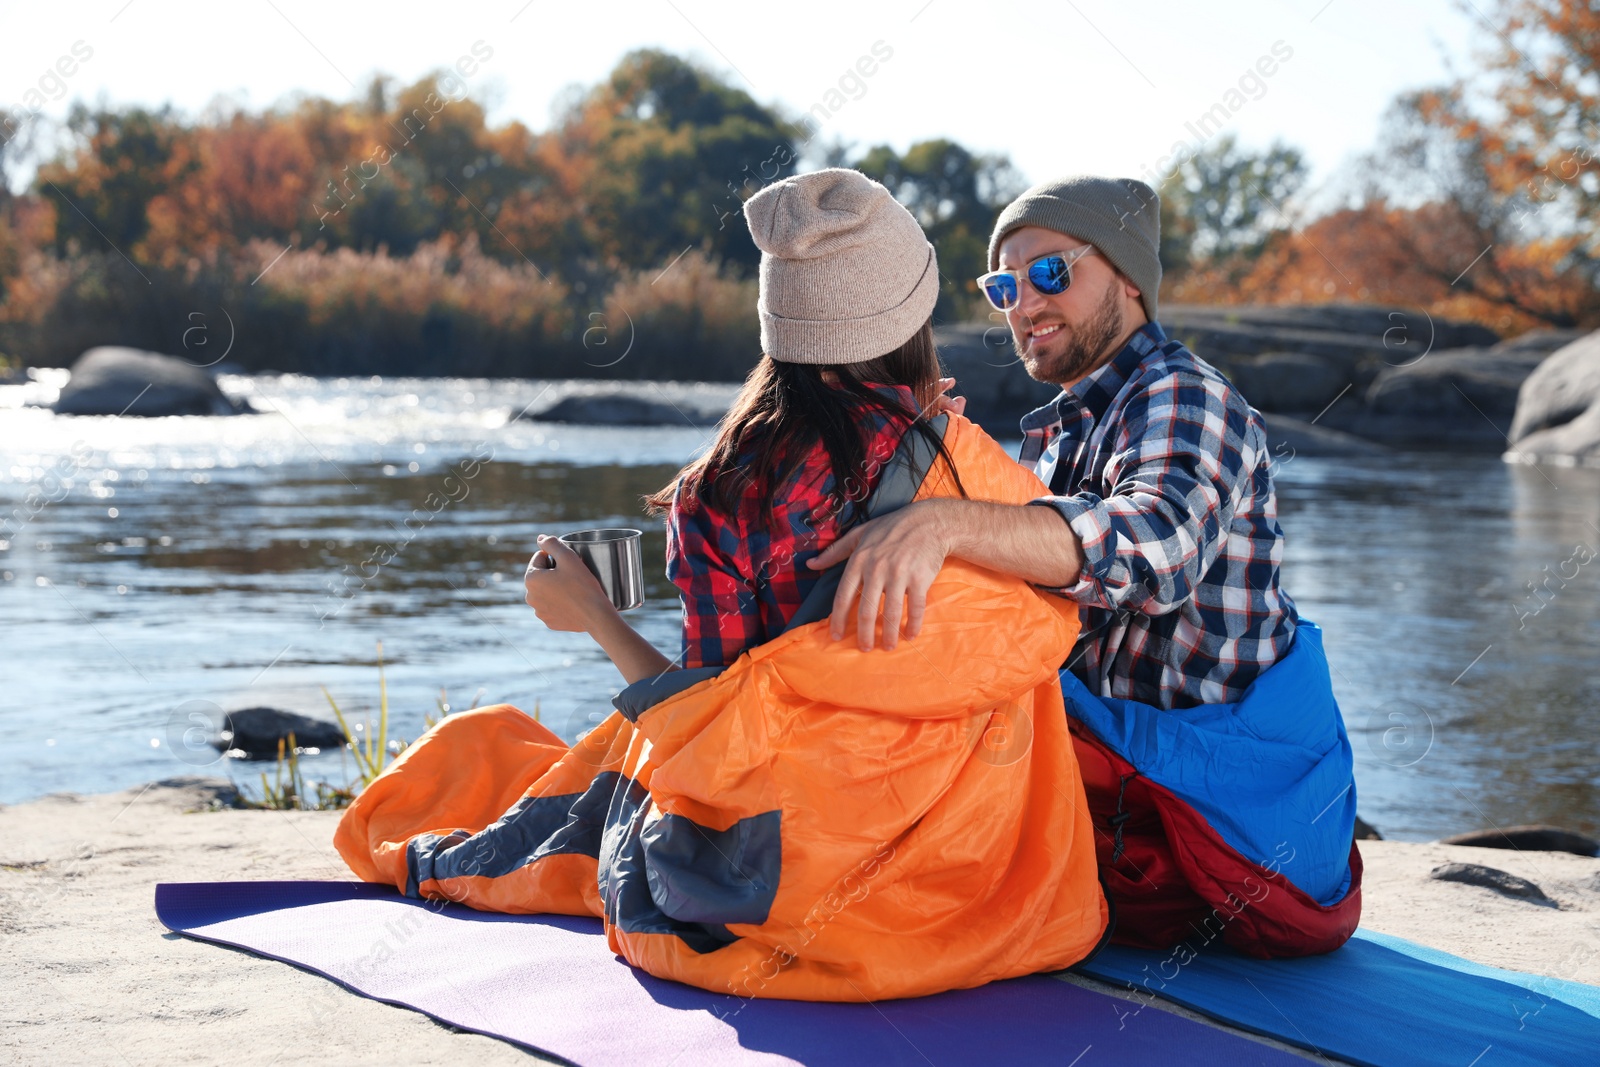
1216, 763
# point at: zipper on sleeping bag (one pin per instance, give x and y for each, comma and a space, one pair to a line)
1116, 821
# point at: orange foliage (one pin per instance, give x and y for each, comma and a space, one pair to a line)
1509, 234
448, 274
1541, 66
1423, 257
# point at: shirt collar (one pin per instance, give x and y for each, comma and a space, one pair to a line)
1094, 392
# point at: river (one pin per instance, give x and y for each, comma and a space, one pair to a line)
155, 566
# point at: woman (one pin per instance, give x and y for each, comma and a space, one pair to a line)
799, 450
785, 815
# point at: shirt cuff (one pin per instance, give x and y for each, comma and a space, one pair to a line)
1091, 522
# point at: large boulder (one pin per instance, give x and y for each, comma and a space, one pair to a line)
987, 371
998, 390
619, 409
1360, 340
1385, 376
1394, 377
1489, 878
1288, 360
1557, 417
1399, 386
1540, 343
1458, 399
127, 381
637, 404
1289, 381
1372, 372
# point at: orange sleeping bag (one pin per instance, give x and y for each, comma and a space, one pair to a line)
813, 822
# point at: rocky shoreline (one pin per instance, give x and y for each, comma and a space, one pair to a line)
1330, 380
1341, 380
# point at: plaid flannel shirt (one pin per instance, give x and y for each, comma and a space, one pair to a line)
1161, 468
743, 576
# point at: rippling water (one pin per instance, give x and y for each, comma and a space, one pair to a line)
154, 562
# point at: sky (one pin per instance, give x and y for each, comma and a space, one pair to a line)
1060, 86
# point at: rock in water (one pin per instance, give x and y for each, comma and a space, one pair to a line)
1535, 838
1459, 399
256, 731
1489, 878
622, 409
126, 381
1402, 378
634, 403
1558, 407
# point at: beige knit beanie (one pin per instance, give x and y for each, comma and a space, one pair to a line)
847, 275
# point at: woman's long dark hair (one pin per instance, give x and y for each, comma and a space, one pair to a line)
784, 409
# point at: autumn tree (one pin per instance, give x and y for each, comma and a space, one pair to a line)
1481, 199
1501, 170
1538, 115
1225, 202
404, 167
955, 194
122, 161
1428, 226
667, 153
13, 141
1469, 232
1383, 253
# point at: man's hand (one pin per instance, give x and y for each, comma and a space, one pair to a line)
893, 561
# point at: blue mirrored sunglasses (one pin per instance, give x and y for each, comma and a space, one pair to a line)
1050, 275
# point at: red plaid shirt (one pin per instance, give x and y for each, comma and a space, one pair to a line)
743, 576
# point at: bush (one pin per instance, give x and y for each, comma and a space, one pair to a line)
691, 319
445, 309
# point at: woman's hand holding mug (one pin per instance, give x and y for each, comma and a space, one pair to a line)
563, 592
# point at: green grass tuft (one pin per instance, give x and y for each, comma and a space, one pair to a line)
372, 749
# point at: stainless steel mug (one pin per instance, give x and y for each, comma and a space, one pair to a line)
613, 556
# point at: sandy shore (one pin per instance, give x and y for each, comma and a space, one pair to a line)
93, 977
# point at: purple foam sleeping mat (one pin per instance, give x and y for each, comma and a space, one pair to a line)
549, 983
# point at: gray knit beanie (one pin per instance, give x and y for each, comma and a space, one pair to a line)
1119, 216
847, 275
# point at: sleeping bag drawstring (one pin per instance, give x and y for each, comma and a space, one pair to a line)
1119, 818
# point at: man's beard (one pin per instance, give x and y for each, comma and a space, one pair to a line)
1085, 344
